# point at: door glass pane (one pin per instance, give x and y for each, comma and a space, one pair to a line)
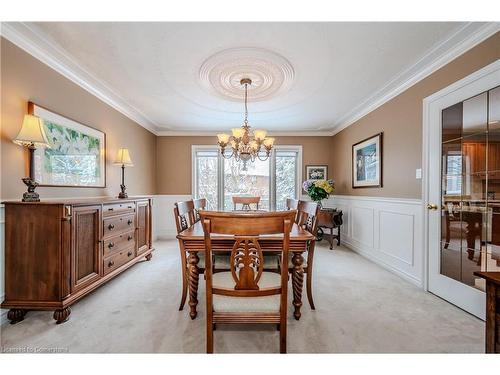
452, 122
286, 177
493, 183
206, 177
464, 169
254, 182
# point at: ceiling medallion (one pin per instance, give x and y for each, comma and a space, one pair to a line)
270, 73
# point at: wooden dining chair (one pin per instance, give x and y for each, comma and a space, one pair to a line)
246, 202
307, 217
199, 205
247, 294
185, 216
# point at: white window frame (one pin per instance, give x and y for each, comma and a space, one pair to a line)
272, 172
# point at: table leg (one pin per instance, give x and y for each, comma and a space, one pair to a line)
194, 274
297, 282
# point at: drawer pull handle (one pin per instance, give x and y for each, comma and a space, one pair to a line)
111, 263
111, 226
129, 253
111, 244
111, 209
129, 206
129, 237
129, 221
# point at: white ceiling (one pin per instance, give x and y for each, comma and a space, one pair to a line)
157, 72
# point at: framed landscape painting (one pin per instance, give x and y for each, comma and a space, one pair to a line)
367, 162
316, 172
76, 153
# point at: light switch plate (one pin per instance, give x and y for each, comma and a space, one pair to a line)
418, 173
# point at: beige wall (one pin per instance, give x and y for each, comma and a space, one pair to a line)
174, 158
401, 121
26, 79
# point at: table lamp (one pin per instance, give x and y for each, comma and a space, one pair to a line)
31, 135
123, 159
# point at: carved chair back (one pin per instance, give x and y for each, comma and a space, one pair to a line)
185, 216
246, 202
307, 216
247, 259
199, 205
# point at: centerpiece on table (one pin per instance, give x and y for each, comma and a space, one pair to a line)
318, 189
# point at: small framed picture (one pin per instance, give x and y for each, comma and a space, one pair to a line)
317, 172
367, 162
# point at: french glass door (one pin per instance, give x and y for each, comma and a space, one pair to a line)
464, 192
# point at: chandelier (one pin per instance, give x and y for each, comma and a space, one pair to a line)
246, 146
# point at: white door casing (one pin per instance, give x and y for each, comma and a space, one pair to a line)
464, 296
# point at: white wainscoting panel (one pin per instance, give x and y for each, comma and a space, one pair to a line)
387, 231
163, 215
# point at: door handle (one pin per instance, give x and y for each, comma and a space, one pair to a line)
431, 206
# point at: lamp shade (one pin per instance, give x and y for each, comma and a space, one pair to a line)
123, 157
32, 132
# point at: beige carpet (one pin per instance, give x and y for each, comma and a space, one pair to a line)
360, 308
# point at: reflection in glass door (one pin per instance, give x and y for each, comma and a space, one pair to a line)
470, 189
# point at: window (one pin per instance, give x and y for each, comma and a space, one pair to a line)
453, 174
274, 180
205, 173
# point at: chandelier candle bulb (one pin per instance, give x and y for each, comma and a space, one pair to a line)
259, 134
223, 139
254, 145
269, 142
238, 132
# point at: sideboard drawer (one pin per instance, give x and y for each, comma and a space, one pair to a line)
119, 224
118, 208
118, 243
116, 260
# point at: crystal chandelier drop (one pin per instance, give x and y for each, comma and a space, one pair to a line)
246, 146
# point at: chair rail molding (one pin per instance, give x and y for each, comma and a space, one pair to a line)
388, 231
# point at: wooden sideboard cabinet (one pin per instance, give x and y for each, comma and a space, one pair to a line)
58, 252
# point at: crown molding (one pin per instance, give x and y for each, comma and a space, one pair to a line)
312, 133
441, 54
32, 40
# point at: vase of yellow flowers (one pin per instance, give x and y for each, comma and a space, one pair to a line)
318, 190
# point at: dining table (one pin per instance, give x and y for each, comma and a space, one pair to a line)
194, 243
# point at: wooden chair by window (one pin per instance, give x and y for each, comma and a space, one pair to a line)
199, 205
185, 216
307, 217
292, 204
247, 294
246, 202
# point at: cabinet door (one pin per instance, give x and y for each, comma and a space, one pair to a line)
86, 257
143, 226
